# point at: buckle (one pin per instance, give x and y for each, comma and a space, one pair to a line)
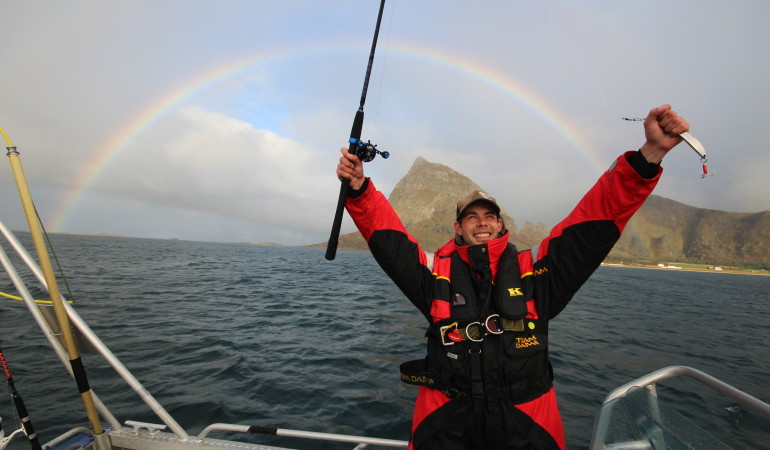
493, 324
474, 334
451, 337
474, 331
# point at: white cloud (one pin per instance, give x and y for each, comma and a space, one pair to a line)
206, 161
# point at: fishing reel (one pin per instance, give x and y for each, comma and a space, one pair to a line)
366, 151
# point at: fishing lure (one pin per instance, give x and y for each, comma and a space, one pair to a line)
693, 143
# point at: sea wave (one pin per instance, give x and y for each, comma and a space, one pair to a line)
278, 336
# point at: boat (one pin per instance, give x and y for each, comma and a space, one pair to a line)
631, 417
130, 434
58, 325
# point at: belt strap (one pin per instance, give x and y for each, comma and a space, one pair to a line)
477, 392
512, 325
494, 324
416, 373
531, 325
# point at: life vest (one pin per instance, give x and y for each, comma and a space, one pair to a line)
485, 336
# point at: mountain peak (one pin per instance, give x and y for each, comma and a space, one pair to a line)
427, 190
662, 230
426, 200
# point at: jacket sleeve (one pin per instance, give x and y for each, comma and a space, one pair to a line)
578, 244
396, 251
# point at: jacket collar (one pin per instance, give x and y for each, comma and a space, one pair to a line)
494, 249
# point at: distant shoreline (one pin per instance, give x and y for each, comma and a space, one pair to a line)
687, 269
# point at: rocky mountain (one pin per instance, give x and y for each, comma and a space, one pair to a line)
662, 230
666, 230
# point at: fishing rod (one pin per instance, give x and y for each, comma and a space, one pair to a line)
366, 151
76, 363
21, 410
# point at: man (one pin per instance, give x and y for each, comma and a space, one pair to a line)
487, 381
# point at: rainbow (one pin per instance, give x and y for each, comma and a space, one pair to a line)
107, 153
505, 84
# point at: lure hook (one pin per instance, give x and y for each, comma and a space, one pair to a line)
705, 169
698, 147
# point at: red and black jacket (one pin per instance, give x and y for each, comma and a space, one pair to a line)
461, 285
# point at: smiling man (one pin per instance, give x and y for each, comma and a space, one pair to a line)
487, 382
478, 218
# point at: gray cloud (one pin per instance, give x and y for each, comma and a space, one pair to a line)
250, 155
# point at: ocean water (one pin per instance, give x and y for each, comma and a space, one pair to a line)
281, 337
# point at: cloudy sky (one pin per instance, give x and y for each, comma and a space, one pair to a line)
222, 120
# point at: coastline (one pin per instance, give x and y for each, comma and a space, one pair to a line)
688, 268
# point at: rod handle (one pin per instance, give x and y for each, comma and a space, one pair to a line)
334, 238
331, 247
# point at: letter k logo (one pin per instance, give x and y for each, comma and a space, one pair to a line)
513, 292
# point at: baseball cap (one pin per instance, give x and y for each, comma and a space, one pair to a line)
473, 197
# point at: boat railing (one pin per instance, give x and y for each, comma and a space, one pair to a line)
633, 417
360, 440
85, 331
99, 347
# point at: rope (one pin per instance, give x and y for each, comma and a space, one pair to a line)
42, 302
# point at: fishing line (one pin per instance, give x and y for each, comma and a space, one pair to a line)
693, 143
58, 265
384, 65
596, 86
53, 253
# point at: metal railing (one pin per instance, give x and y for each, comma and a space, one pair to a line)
180, 434
649, 383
